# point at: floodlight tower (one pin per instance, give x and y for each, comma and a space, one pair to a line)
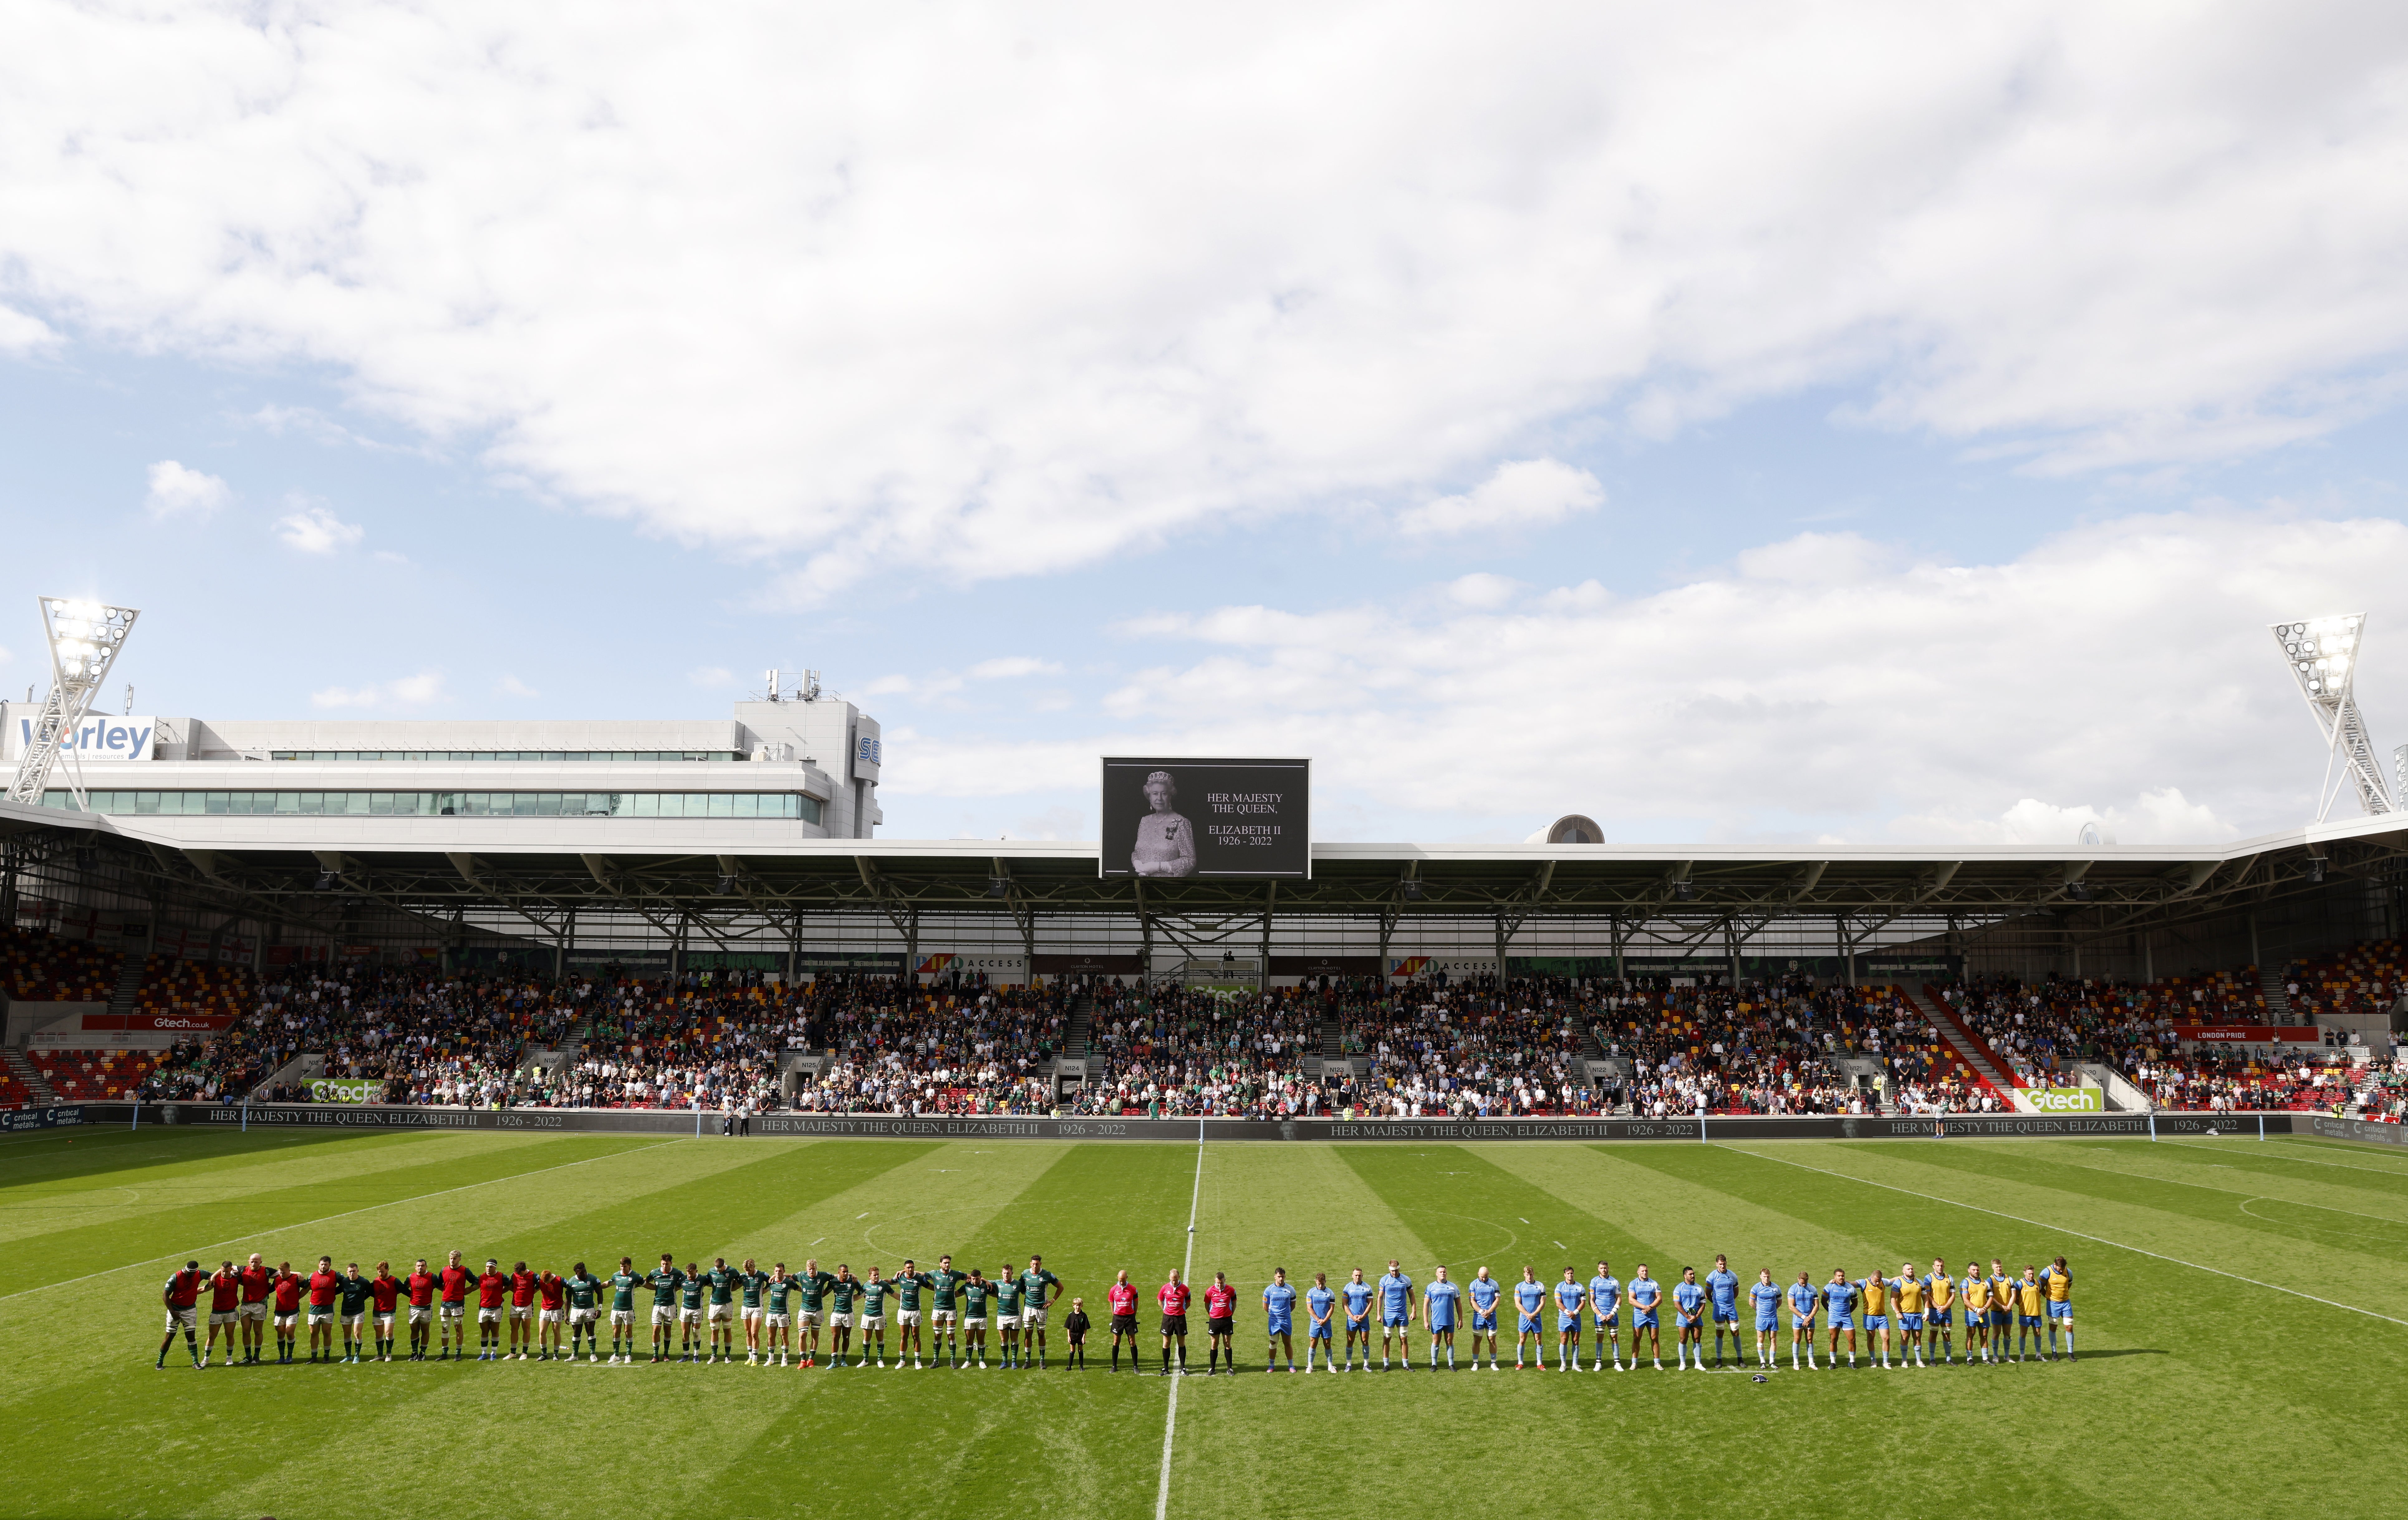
2323, 655
84, 639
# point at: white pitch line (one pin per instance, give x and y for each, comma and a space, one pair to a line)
1187, 1271
279, 1229
2042, 1224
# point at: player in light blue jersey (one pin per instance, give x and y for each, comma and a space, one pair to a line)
1840, 1313
1357, 1295
1605, 1302
1722, 1287
1645, 1292
1320, 1308
1531, 1298
1442, 1308
1279, 1323
1804, 1301
1396, 1315
1690, 1318
1764, 1294
1569, 1299
1483, 1291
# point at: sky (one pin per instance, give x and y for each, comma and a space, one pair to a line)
1882, 424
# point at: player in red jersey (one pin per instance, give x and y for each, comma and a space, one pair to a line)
256, 1281
420, 1285
1220, 1323
1173, 1295
521, 1312
182, 1291
385, 1289
492, 1291
1123, 1299
553, 1289
323, 1285
225, 1300
285, 1294
451, 1315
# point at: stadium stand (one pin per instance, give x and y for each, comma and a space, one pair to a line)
41, 968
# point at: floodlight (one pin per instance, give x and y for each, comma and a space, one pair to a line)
2317, 869
1410, 889
998, 886
1684, 889
726, 884
84, 639
2323, 655
328, 881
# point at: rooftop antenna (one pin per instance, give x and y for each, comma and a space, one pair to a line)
2323, 655
773, 685
85, 638
129, 699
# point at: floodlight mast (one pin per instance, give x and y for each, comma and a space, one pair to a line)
85, 638
2323, 655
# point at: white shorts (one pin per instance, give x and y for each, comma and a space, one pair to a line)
454, 1311
840, 1320
489, 1316
283, 1322
223, 1316
777, 1322
663, 1313
384, 1323
418, 1313
356, 1321
751, 1313
720, 1311
907, 1316
942, 1316
873, 1322
624, 1316
180, 1319
547, 1316
257, 1310
691, 1316
521, 1311
1034, 1319
808, 1319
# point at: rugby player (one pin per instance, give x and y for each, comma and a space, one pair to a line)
2029, 1299
1940, 1312
778, 1305
492, 1307
1220, 1323
1320, 1308
452, 1310
1910, 1295
1722, 1286
385, 1289
1007, 1315
1644, 1294
908, 1284
356, 1293
256, 1281
1484, 1291
325, 1284
1037, 1288
1122, 1297
1804, 1301
1172, 1297
976, 1290
1976, 1290
1396, 1315
1442, 1308
2002, 1308
2057, 1285
552, 1290
724, 1281
1530, 1301
1357, 1295
1876, 1291
1570, 1298
286, 1296
873, 1317
944, 1311
225, 1300
751, 1280
624, 1283
663, 1280
584, 1291
690, 1291
523, 1285
842, 1286
420, 1286
1605, 1302
1765, 1296
1689, 1320
180, 1295
809, 1289
1279, 1324
1840, 1313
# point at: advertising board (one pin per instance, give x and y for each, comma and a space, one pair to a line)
1207, 819
343, 1090
2067, 1099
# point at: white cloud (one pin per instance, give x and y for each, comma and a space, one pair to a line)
417, 691
1036, 285
513, 686
711, 677
1524, 494
315, 530
2119, 673
1009, 667
23, 335
177, 491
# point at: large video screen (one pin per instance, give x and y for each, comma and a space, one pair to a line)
1207, 818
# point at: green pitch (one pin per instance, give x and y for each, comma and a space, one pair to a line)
2194, 1394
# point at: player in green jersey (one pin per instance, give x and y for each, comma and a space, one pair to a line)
724, 1281
355, 1292
842, 1289
624, 1283
585, 1293
945, 1285
777, 1298
975, 1290
690, 1313
751, 1280
873, 1316
663, 1280
809, 1290
908, 1285
1007, 1314
1035, 1302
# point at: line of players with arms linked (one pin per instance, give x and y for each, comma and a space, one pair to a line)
695, 1312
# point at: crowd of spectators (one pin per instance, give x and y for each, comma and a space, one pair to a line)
1180, 1052
966, 1049
1471, 1048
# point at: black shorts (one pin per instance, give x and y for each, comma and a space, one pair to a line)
1174, 1325
1124, 1325
1225, 1325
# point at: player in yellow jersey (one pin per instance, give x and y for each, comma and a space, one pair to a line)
2028, 1302
1940, 1319
2057, 1287
1910, 1314
1877, 1296
1976, 1289
2002, 1308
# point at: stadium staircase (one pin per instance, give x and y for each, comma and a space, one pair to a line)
1968, 1047
130, 972
2278, 1002
1333, 1039
1083, 1023
30, 1075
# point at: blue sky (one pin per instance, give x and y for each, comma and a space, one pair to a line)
1925, 470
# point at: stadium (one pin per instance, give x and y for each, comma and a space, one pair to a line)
584, 997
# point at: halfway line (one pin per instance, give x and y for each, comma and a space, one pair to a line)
346, 1213
2042, 1224
1187, 1271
